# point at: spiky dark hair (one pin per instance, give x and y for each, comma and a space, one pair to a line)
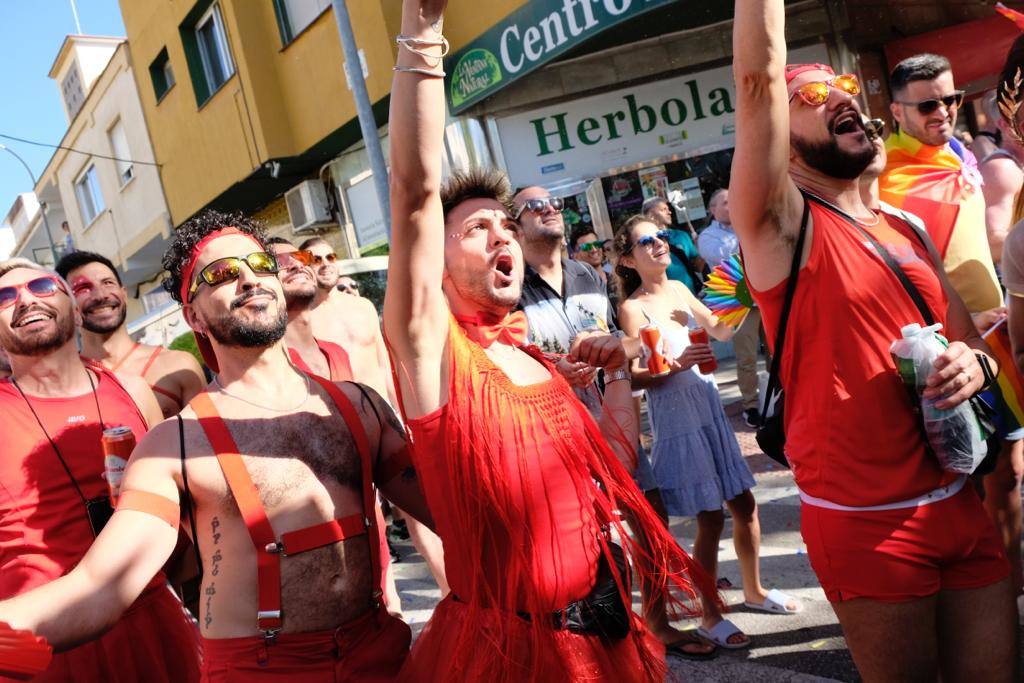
192, 232
77, 259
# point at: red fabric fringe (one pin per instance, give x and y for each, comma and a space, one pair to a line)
480, 399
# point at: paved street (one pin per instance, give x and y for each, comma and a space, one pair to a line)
798, 648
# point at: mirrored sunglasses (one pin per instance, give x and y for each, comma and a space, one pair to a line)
226, 269
287, 259
590, 246
926, 107
648, 241
816, 93
538, 205
45, 286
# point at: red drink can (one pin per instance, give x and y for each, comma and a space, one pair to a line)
118, 444
698, 335
657, 364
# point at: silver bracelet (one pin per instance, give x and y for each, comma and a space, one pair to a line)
417, 70
616, 375
408, 42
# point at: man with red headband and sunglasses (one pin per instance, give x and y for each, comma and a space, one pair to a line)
278, 470
904, 550
174, 376
525, 486
56, 498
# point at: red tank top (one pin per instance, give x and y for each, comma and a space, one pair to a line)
851, 434
337, 361
44, 530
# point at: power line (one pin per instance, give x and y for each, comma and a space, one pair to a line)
80, 151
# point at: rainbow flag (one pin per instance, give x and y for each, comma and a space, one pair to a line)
943, 188
1010, 381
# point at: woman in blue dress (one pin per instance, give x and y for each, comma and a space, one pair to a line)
697, 460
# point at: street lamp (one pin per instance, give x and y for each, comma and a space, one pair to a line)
42, 206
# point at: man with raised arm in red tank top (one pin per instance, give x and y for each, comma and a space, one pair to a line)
522, 482
53, 410
904, 550
174, 376
278, 468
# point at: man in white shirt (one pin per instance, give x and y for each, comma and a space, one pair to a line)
716, 243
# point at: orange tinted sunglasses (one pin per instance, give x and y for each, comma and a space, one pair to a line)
301, 257
816, 93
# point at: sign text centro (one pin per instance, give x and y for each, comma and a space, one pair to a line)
529, 37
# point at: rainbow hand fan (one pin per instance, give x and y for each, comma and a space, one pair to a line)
23, 655
726, 292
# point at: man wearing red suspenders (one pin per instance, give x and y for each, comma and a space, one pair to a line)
902, 547
174, 376
55, 498
279, 469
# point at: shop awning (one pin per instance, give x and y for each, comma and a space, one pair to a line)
976, 49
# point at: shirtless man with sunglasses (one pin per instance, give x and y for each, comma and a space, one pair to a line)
56, 499
348, 321
907, 557
278, 470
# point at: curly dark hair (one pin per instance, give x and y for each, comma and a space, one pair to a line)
191, 233
77, 259
628, 278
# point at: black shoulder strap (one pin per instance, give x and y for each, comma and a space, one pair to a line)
780, 337
189, 506
911, 289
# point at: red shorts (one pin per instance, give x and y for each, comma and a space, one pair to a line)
369, 649
154, 640
905, 554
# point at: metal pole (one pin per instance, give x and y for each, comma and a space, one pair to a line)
364, 111
74, 11
42, 205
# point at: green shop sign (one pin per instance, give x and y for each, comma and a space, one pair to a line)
529, 37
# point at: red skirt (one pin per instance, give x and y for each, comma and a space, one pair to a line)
154, 641
570, 657
369, 649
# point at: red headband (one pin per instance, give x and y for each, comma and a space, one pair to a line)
794, 70
186, 273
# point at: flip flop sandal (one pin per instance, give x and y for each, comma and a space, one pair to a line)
775, 603
720, 634
676, 649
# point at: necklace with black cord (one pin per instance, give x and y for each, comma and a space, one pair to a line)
98, 511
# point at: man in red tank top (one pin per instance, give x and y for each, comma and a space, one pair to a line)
278, 469
309, 354
523, 483
53, 410
906, 555
174, 376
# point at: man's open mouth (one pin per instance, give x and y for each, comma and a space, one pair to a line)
847, 122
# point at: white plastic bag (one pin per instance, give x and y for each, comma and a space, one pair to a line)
955, 436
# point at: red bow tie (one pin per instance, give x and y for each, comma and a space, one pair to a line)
485, 330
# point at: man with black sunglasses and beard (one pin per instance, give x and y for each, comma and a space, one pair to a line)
174, 376
277, 469
903, 549
53, 410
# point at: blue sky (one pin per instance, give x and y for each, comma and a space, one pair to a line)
31, 33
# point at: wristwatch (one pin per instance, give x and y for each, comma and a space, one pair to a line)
986, 371
616, 375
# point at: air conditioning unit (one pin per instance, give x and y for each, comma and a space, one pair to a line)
307, 204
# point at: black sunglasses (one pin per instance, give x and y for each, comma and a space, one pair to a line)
538, 205
926, 107
649, 240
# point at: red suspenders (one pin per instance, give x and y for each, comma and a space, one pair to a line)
269, 550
